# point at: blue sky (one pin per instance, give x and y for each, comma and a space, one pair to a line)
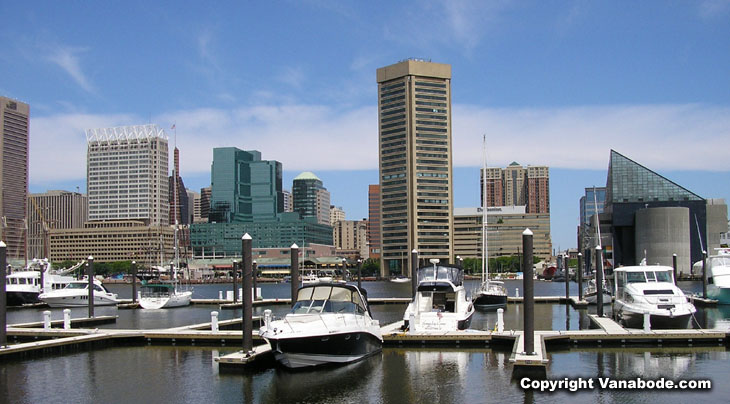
555, 83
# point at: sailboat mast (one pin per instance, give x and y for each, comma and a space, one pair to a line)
175, 202
485, 252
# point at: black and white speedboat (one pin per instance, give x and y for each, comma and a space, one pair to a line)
23, 287
330, 323
440, 303
650, 289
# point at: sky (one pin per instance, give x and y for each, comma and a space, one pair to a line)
556, 83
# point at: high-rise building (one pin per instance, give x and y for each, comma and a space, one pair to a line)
311, 198
14, 124
414, 126
193, 201
350, 238
178, 204
245, 188
518, 186
288, 203
373, 234
336, 214
205, 203
53, 210
127, 174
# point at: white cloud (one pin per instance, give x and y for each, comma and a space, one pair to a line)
317, 137
67, 58
713, 8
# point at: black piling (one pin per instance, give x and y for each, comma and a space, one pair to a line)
234, 265
599, 282
414, 273
247, 283
580, 276
359, 274
3, 297
294, 272
567, 278
134, 282
528, 284
91, 286
704, 274
674, 267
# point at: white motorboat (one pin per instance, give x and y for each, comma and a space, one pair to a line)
718, 276
163, 295
650, 289
76, 294
23, 287
330, 323
590, 293
491, 294
440, 303
400, 279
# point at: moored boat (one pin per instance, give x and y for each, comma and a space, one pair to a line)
718, 276
330, 323
76, 294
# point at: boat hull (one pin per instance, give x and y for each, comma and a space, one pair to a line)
659, 320
722, 295
592, 298
165, 302
486, 301
18, 298
324, 349
78, 301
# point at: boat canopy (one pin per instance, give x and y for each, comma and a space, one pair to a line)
441, 273
329, 298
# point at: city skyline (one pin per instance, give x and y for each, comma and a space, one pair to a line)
553, 85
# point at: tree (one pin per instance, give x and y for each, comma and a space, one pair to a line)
371, 267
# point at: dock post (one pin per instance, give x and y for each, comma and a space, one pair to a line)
234, 265
529, 299
294, 272
47, 320
66, 319
567, 279
674, 267
247, 266
412, 324
704, 274
91, 286
3, 296
599, 282
359, 273
517, 290
220, 295
414, 273
254, 275
580, 276
134, 282
500, 320
214, 321
267, 318
647, 322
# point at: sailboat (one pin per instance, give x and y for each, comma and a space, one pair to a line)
591, 290
163, 295
491, 294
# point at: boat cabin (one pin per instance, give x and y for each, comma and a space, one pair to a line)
329, 298
437, 286
624, 276
718, 266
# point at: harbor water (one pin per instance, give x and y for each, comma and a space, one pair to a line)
169, 373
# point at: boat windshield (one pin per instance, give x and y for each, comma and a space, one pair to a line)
714, 262
648, 276
328, 299
77, 285
434, 273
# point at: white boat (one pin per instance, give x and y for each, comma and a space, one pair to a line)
718, 276
163, 295
309, 279
330, 323
23, 287
440, 303
76, 294
650, 289
400, 279
591, 296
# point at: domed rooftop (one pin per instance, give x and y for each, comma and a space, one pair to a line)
307, 175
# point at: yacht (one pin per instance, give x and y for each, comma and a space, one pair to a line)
163, 295
590, 292
400, 279
76, 294
440, 303
718, 276
330, 323
650, 289
23, 287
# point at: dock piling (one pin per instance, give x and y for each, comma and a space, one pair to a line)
294, 272
66, 319
567, 278
47, 320
247, 266
599, 281
359, 273
647, 321
517, 290
414, 271
91, 286
3, 296
235, 281
134, 282
580, 276
500, 320
214, 321
267, 318
704, 274
674, 267
529, 299
254, 275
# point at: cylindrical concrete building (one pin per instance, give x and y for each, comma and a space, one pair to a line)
662, 232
